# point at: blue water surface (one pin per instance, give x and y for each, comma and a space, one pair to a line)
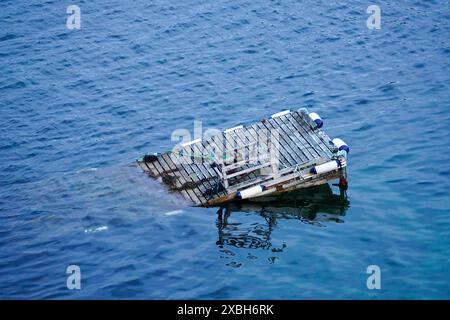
78, 106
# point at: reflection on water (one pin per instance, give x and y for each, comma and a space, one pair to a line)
313, 206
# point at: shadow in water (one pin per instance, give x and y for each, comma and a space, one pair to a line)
313, 206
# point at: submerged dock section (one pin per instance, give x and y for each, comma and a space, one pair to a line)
284, 152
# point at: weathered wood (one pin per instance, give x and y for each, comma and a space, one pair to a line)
167, 158
207, 164
213, 170
151, 169
233, 166
283, 145
306, 148
184, 171
306, 119
194, 178
198, 162
248, 170
217, 144
274, 191
235, 136
259, 129
179, 180
296, 149
305, 131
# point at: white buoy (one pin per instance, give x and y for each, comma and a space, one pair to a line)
317, 119
341, 145
279, 114
326, 167
250, 192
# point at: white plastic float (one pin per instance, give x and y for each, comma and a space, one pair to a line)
250, 192
326, 167
341, 145
317, 119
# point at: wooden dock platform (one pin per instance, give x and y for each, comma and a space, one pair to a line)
285, 152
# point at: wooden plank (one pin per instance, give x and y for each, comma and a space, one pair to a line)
249, 170
179, 180
158, 169
144, 167
162, 165
245, 184
212, 173
309, 135
301, 143
187, 193
151, 169
282, 143
307, 120
207, 147
304, 136
209, 178
159, 165
228, 147
232, 142
177, 161
251, 144
265, 158
258, 130
202, 172
239, 135
192, 175
263, 180
210, 146
261, 155
293, 145
322, 179
289, 170
303, 175
304, 130
216, 143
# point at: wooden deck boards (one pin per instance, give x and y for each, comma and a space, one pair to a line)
192, 171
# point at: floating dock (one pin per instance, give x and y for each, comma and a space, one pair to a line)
284, 152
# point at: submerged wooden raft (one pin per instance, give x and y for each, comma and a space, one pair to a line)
285, 152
